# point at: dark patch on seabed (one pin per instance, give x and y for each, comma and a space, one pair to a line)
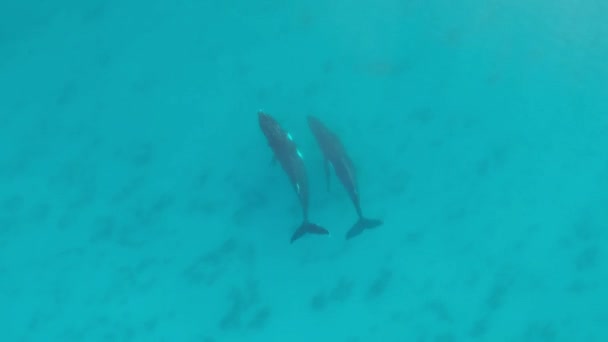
341, 292
211, 266
245, 311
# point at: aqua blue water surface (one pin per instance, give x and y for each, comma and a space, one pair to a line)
138, 200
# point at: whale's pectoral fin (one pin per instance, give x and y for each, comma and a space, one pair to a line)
327, 174
308, 228
362, 225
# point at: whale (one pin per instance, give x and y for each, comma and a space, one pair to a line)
286, 152
335, 154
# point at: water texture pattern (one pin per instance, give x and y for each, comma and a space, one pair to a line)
138, 201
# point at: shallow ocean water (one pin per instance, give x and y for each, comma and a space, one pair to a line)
138, 201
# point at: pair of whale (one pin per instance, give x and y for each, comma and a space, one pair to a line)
286, 152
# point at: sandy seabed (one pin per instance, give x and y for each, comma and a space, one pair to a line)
138, 201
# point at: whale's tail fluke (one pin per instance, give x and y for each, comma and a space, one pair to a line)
362, 225
308, 228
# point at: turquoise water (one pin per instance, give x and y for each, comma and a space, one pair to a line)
138, 201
